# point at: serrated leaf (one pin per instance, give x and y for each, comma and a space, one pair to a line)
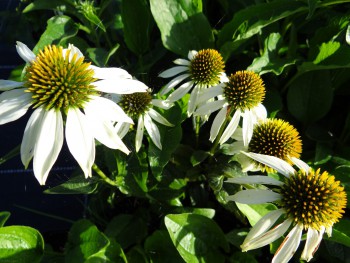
196, 237
182, 24
20, 244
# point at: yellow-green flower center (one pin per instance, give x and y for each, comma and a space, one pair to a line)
277, 138
58, 80
206, 67
244, 90
135, 104
314, 199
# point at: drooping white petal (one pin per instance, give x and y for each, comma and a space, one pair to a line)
105, 133
231, 127
264, 224
80, 140
182, 62
279, 165
223, 77
122, 128
268, 237
254, 196
210, 93
259, 112
300, 164
9, 84
24, 52
158, 118
192, 54
313, 240
289, 245
30, 136
139, 133
173, 83
247, 126
120, 86
13, 105
152, 131
73, 50
217, 123
163, 104
48, 145
210, 107
180, 92
254, 179
110, 73
102, 108
192, 102
246, 163
173, 71
234, 148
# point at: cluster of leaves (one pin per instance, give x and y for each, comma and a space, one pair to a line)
170, 204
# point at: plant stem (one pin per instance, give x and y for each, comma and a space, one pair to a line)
103, 176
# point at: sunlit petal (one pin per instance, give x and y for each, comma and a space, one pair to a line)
192, 102
120, 86
122, 128
254, 179
24, 52
173, 71
152, 131
173, 83
300, 164
139, 133
158, 118
217, 123
180, 92
210, 107
313, 240
182, 62
163, 104
192, 54
231, 127
9, 84
247, 127
210, 93
254, 196
110, 73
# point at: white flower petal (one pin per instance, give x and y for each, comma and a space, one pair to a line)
24, 52
210, 107
268, 237
264, 224
231, 127
122, 128
210, 93
254, 196
246, 163
313, 240
234, 148
279, 165
158, 118
173, 71
192, 102
254, 179
329, 231
217, 123
182, 62
153, 131
247, 127
259, 112
173, 83
102, 108
163, 104
30, 136
73, 50
289, 245
139, 133
192, 54
13, 105
9, 84
80, 140
300, 164
48, 145
110, 73
120, 86
180, 92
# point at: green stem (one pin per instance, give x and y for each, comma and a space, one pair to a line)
103, 176
197, 128
14, 152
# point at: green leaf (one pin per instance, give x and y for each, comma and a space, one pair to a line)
255, 212
242, 257
196, 237
160, 248
59, 28
89, 12
340, 237
100, 56
20, 244
249, 21
3, 217
207, 212
199, 156
113, 253
84, 240
75, 185
57, 5
270, 60
127, 230
310, 96
138, 24
182, 25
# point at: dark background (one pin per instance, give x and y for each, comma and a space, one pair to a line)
20, 192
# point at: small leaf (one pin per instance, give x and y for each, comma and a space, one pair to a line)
197, 238
75, 185
20, 244
113, 253
198, 157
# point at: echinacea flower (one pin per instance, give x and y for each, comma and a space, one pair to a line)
308, 200
241, 96
139, 106
274, 137
63, 90
202, 69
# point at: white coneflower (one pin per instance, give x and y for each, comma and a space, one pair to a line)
241, 96
202, 70
309, 200
273, 137
65, 91
139, 106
